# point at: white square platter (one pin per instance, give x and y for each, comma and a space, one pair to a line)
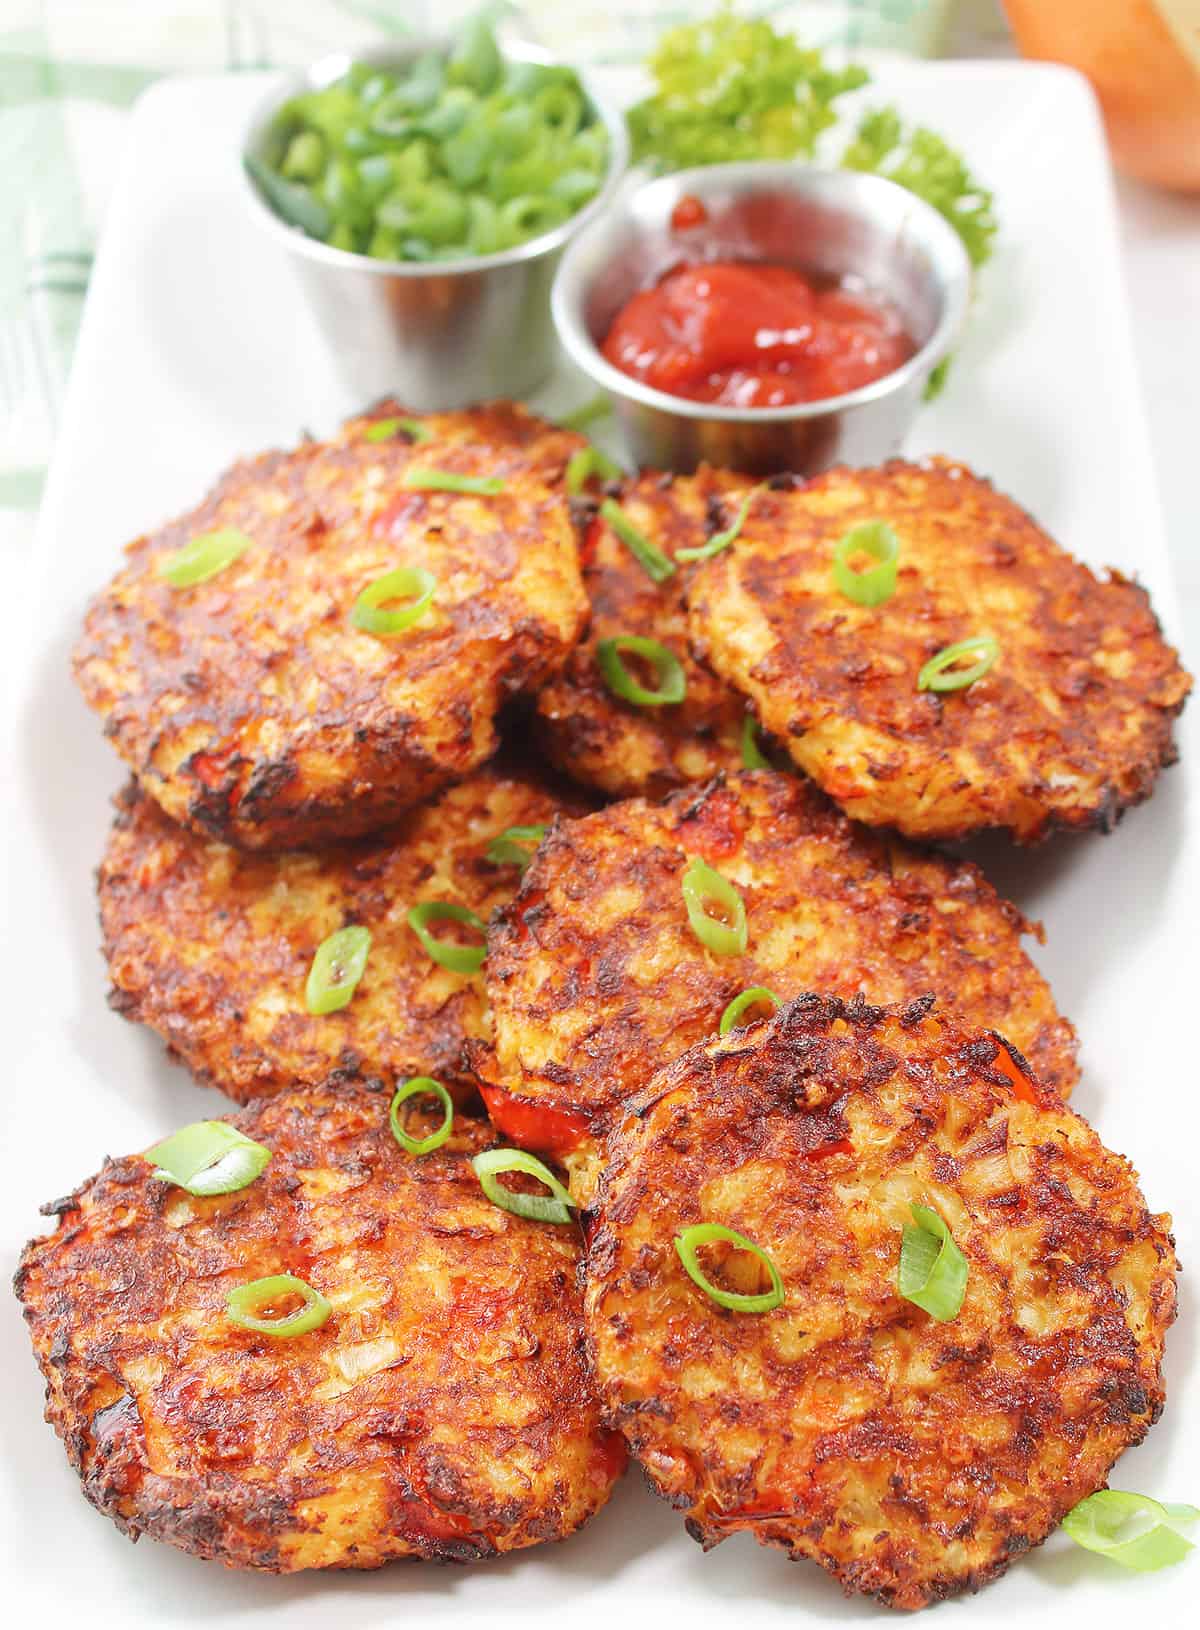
197, 348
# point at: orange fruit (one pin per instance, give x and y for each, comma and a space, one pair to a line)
1143, 59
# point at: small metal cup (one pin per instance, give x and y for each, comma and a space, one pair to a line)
442, 334
831, 224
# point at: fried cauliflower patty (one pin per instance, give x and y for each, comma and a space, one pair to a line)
252, 707
444, 1410
596, 977
211, 947
597, 737
912, 1458
1070, 726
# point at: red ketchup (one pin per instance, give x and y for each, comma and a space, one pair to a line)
688, 213
747, 334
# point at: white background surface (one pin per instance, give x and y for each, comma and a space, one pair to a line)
1160, 234
195, 349
1160, 239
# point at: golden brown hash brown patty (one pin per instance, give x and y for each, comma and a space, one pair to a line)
444, 1410
249, 705
596, 977
212, 947
1070, 726
911, 1458
597, 737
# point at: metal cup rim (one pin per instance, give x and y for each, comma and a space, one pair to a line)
568, 292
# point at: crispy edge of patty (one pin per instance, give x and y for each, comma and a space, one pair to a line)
595, 977
598, 738
253, 710
912, 1459
445, 1410
1069, 728
211, 947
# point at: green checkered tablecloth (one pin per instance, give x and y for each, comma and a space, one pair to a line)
70, 70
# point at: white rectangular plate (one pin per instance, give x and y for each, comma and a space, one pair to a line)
196, 349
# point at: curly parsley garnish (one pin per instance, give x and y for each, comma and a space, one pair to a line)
731, 87
922, 162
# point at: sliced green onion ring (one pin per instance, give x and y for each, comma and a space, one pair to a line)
648, 556
385, 429
722, 540
296, 204
689, 1242
878, 583
933, 676
672, 681
1098, 1522
555, 1207
754, 997
587, 413
458, 958
209, 1157
370, 611
240, 1306
304, 158
427, 480
337, 967
753, 757
586, 463
515, 845
933, 1271
417, 1086
203, 557
703, 887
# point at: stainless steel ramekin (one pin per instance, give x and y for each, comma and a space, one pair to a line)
829, 223
436, 335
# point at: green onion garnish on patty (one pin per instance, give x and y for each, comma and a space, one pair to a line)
705, 890
648, 556
203, 557
446, 953
753, 757
373, 611
337, 967
515, 845
877, 583
672, 681
586, 463
688, 1243
555, 1207
426, 480
385, 429
267, 1306
933, 1271
756, 996
420, 1086
940, 673
209, 1157
722, 540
